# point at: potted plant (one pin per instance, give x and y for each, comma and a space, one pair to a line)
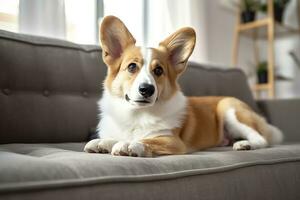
248, 10
279, 8
262, 72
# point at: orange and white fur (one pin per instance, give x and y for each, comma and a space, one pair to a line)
144, 112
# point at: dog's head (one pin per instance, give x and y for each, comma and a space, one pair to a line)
139, 75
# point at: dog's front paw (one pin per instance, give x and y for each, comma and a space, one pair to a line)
99, 146
120, 149
134, 149
106, 145
92, 146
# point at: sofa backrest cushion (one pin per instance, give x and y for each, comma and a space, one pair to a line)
205, 80
49, 88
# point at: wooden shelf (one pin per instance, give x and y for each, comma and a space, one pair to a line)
267, 29
254, 24
262, 86
258, 29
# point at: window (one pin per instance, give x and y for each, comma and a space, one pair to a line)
79, 16
9, 11
81, 21
133, 17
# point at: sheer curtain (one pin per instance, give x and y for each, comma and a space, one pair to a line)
166, 16
42, 17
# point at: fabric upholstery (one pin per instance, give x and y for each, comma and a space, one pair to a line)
39, 168
283, 113
49, 88
268, 182
200, 80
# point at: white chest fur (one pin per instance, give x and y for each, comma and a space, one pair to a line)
122, 122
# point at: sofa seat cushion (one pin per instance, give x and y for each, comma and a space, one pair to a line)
37, 166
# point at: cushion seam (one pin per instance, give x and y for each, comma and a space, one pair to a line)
94, 49
213, 68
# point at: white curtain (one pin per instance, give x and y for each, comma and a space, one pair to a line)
166, 16
42, 17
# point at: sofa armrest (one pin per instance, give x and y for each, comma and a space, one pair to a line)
283, 113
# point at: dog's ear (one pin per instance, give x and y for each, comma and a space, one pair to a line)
115, 38
180, 46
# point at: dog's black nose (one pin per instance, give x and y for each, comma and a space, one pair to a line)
146, 90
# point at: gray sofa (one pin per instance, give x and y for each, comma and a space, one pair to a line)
48, 94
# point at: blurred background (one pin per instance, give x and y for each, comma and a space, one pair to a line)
216, 23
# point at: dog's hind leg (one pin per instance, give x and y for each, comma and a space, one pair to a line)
241, 122
251, 138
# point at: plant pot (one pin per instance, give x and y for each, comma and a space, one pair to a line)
248, 16
262, 77
278, 13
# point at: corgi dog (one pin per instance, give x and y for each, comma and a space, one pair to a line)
145, 114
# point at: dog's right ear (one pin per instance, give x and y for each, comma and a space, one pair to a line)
115, 38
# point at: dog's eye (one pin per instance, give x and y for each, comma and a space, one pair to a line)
132, 68
158, 71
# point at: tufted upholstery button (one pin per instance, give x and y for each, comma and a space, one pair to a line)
6, 91
46, 93
85, 94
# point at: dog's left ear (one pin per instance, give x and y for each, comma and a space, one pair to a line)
180, 46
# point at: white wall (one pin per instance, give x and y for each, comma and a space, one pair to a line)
198, 21
220, 29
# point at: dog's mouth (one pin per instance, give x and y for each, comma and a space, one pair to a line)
138, 101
